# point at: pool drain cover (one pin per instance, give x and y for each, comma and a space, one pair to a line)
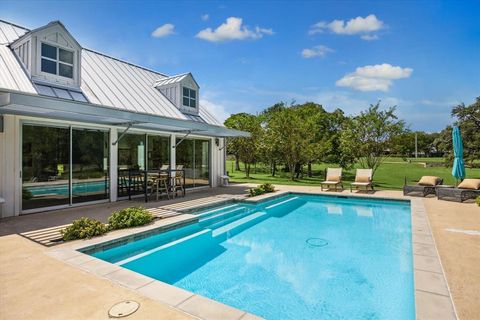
317, 242
123, 309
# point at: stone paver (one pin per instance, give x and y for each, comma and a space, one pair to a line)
209, 309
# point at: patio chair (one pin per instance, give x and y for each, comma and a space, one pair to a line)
333, 178
467, 189
425, 186
363, 178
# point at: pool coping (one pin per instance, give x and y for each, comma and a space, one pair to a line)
433, 298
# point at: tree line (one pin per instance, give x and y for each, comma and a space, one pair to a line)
293, 137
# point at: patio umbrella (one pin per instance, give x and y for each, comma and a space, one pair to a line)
458, 170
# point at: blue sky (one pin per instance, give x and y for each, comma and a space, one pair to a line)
422, 56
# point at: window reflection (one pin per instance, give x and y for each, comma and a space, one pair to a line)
45, 166
89, 165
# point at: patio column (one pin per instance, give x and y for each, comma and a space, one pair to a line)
113, 165
173, 151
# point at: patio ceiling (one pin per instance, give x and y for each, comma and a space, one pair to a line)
54, 108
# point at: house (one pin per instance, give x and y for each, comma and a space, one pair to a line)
75, 123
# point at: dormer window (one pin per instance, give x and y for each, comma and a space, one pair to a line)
189, 97
57, 61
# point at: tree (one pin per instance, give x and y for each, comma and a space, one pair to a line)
468, 119
245, 149
367, 137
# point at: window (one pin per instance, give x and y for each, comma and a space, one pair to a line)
189, 97
57, 61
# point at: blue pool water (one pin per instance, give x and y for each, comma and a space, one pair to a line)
296, 257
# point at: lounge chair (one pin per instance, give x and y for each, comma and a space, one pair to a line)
425, 186
363, 178
333, 178
467, 189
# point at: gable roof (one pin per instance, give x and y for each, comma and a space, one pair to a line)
105, 81
48, 25
175, 79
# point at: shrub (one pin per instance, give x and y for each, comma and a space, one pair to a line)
478, 201
268, 187
83, 228
255, 192
264, 188
129, 217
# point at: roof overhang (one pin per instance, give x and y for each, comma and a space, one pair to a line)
19, 103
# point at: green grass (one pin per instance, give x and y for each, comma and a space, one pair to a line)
390, 175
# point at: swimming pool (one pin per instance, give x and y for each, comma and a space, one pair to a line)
295, 257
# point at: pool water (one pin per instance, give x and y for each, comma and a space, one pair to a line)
296, 257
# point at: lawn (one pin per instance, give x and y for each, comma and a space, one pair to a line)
390, 175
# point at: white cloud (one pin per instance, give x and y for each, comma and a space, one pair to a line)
374, 78
218, 110
359, 25
316, 51
369, 37
232, 29
205, 17
164, 31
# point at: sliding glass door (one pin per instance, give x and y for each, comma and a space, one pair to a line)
138, 152
63, 166
45, 166
158, 152
89, 165
202, 163
194, 156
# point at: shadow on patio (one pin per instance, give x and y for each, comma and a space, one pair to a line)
49, 219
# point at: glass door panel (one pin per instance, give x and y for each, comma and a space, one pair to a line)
45, 166
185, 157
158, 152
131, 157
202, 163
89, 165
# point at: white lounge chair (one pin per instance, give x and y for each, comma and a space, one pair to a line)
333, 178
363, 178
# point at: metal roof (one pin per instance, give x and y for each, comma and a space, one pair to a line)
105, 81
171, 79
52, 107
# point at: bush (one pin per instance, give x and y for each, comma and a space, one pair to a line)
267, 187
129, 217
264, 188
478, 201
83, 228
255, 192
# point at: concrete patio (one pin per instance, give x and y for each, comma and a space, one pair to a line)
58, 287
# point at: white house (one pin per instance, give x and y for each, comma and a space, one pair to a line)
74, 121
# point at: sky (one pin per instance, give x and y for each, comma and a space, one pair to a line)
421, 56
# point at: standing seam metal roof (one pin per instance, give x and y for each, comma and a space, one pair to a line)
105, 80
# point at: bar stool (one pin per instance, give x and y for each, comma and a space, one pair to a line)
161, 184
178, 180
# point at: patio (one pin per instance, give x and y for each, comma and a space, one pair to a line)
455, 229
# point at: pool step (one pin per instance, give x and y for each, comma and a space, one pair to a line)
222, 216
229, 219
212, 212
181, 243
239, 225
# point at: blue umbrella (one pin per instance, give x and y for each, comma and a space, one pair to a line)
458, 170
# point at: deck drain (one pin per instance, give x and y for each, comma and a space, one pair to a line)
317, 242
123, 309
